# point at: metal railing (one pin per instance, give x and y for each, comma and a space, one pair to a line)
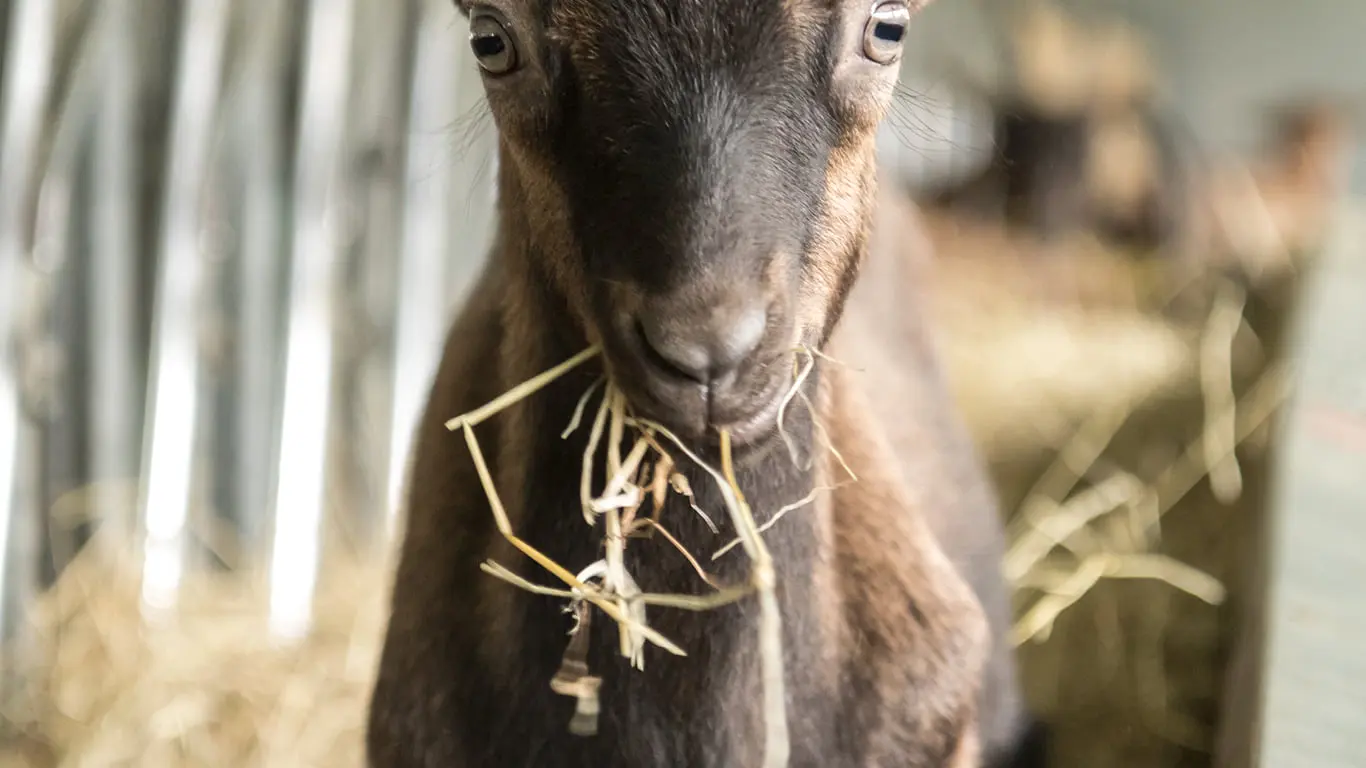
231, 235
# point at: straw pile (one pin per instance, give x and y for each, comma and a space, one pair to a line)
1036, 337
206, 686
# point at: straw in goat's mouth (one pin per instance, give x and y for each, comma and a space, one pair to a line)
647, 472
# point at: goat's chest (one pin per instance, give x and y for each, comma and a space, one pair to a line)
698, 711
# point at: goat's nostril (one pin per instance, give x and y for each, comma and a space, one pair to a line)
675, 348
705, 348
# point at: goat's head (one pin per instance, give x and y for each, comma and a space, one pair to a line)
695, 177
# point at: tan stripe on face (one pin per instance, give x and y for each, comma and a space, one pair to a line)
850, 186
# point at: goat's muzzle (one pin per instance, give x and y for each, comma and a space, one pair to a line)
702, 361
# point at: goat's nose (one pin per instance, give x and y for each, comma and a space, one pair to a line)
704, 345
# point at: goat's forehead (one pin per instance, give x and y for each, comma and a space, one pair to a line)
709, 11
721, 25
667, 49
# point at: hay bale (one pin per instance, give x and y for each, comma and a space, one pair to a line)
1079, 376
1025, 382
1036, 336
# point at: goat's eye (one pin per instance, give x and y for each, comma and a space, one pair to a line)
885, 31
492, 44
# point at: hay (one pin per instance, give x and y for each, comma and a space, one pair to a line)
207, 686
1112, 397
1122, 670
1018, 381
1102, 406
606, 584
1036, 337
1045, 524
1026, 366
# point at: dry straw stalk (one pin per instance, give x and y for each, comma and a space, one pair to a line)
607, 584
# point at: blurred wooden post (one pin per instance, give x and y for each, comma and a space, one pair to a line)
319, 208
29, 55
1294, 694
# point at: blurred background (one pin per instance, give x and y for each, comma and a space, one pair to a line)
232, 233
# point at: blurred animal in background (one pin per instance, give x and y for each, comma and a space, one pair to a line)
1080, 143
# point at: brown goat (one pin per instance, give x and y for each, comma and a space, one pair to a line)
691, 185
1080, 142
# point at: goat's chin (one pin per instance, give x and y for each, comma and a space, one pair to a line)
756, 424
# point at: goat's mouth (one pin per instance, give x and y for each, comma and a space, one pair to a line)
747, 402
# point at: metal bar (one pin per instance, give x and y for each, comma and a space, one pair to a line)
55, 346
165, 496
421, 309
115, 373
447, 225
28, 74
300, 490
260, 147
380, 129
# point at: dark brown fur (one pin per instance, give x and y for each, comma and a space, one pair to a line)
884, 643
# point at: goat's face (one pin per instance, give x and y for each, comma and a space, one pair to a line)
696, 177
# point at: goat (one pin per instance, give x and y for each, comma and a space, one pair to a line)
691, 186
1080, 144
